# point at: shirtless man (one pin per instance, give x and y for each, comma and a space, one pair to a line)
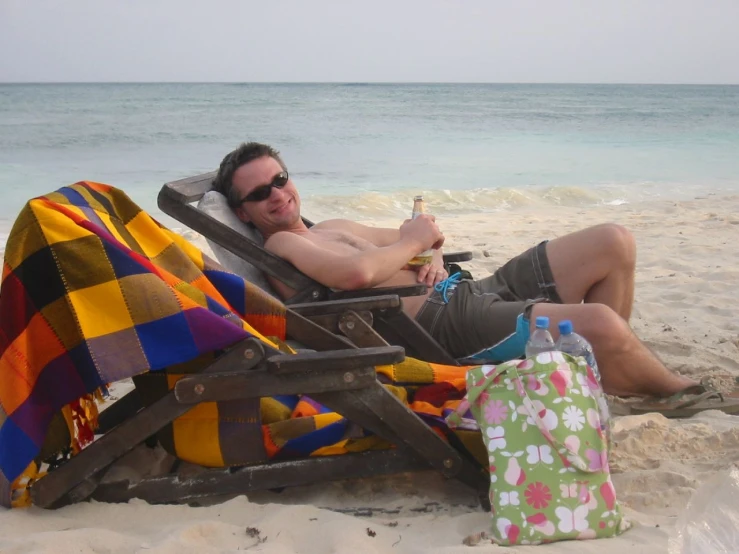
586, 277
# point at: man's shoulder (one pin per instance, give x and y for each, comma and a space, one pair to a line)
283, 239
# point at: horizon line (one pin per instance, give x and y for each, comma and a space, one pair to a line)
360, 83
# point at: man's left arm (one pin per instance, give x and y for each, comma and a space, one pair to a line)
429, 274
432, 273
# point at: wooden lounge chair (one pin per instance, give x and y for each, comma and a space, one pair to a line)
176, 199
338, 375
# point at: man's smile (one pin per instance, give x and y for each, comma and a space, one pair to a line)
282, 208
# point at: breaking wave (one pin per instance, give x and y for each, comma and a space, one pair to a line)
399, 203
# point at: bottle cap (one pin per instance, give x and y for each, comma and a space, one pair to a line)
565, 327
542, 322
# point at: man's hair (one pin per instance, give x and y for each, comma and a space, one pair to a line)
247, 152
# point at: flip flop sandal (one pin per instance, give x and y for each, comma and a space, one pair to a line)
678, 405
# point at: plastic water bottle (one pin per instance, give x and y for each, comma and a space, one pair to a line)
571, 343
541, 339
575, 345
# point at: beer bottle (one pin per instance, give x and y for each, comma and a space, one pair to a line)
426, 256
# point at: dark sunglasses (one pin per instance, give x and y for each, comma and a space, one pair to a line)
263, 192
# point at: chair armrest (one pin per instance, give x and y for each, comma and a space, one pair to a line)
454, 257
404, 290
333, 360
302, 373
384, 302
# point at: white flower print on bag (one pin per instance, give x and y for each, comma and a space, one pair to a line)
573, 418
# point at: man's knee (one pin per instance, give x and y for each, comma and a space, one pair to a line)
618, 243
603, 327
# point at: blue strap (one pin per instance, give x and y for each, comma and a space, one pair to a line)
443, 286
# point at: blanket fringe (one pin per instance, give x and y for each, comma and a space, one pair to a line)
82, 419
20, 489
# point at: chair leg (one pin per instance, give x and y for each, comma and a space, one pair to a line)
307, 332
399, 328
48, 490
119, 411
359, 331
377, 410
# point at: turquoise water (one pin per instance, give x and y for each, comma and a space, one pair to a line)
365, 149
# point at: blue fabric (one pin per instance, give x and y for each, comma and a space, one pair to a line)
511, 347
229, 285
14, 460
304, 445
166, 340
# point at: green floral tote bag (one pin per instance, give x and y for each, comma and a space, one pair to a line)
544, 421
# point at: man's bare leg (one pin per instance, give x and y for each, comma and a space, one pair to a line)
595, 265
627, 367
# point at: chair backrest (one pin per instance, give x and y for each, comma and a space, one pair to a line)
215, 205
176, 198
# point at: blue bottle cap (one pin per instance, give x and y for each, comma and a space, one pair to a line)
565, 327
542, 322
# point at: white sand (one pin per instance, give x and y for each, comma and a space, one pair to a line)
687, 276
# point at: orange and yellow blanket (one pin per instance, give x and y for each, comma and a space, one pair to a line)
95, 291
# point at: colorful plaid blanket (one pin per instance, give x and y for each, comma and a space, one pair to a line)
95, 291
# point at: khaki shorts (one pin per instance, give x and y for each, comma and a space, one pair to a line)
491, 313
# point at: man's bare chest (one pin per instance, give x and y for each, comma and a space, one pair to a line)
340, 241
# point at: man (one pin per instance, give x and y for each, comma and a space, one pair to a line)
586, 277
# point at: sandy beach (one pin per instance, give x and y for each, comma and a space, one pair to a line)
685, 310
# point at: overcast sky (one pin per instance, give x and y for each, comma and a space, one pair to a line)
603, 41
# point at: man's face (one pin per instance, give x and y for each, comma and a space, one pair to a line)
280, 210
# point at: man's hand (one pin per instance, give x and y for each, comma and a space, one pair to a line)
424, 231
430, 274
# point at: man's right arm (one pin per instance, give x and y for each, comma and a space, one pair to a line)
363, 269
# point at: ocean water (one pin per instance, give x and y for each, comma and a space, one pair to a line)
363, 150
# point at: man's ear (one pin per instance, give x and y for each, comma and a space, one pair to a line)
242, 215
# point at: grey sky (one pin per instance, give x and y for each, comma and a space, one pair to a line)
634, 41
